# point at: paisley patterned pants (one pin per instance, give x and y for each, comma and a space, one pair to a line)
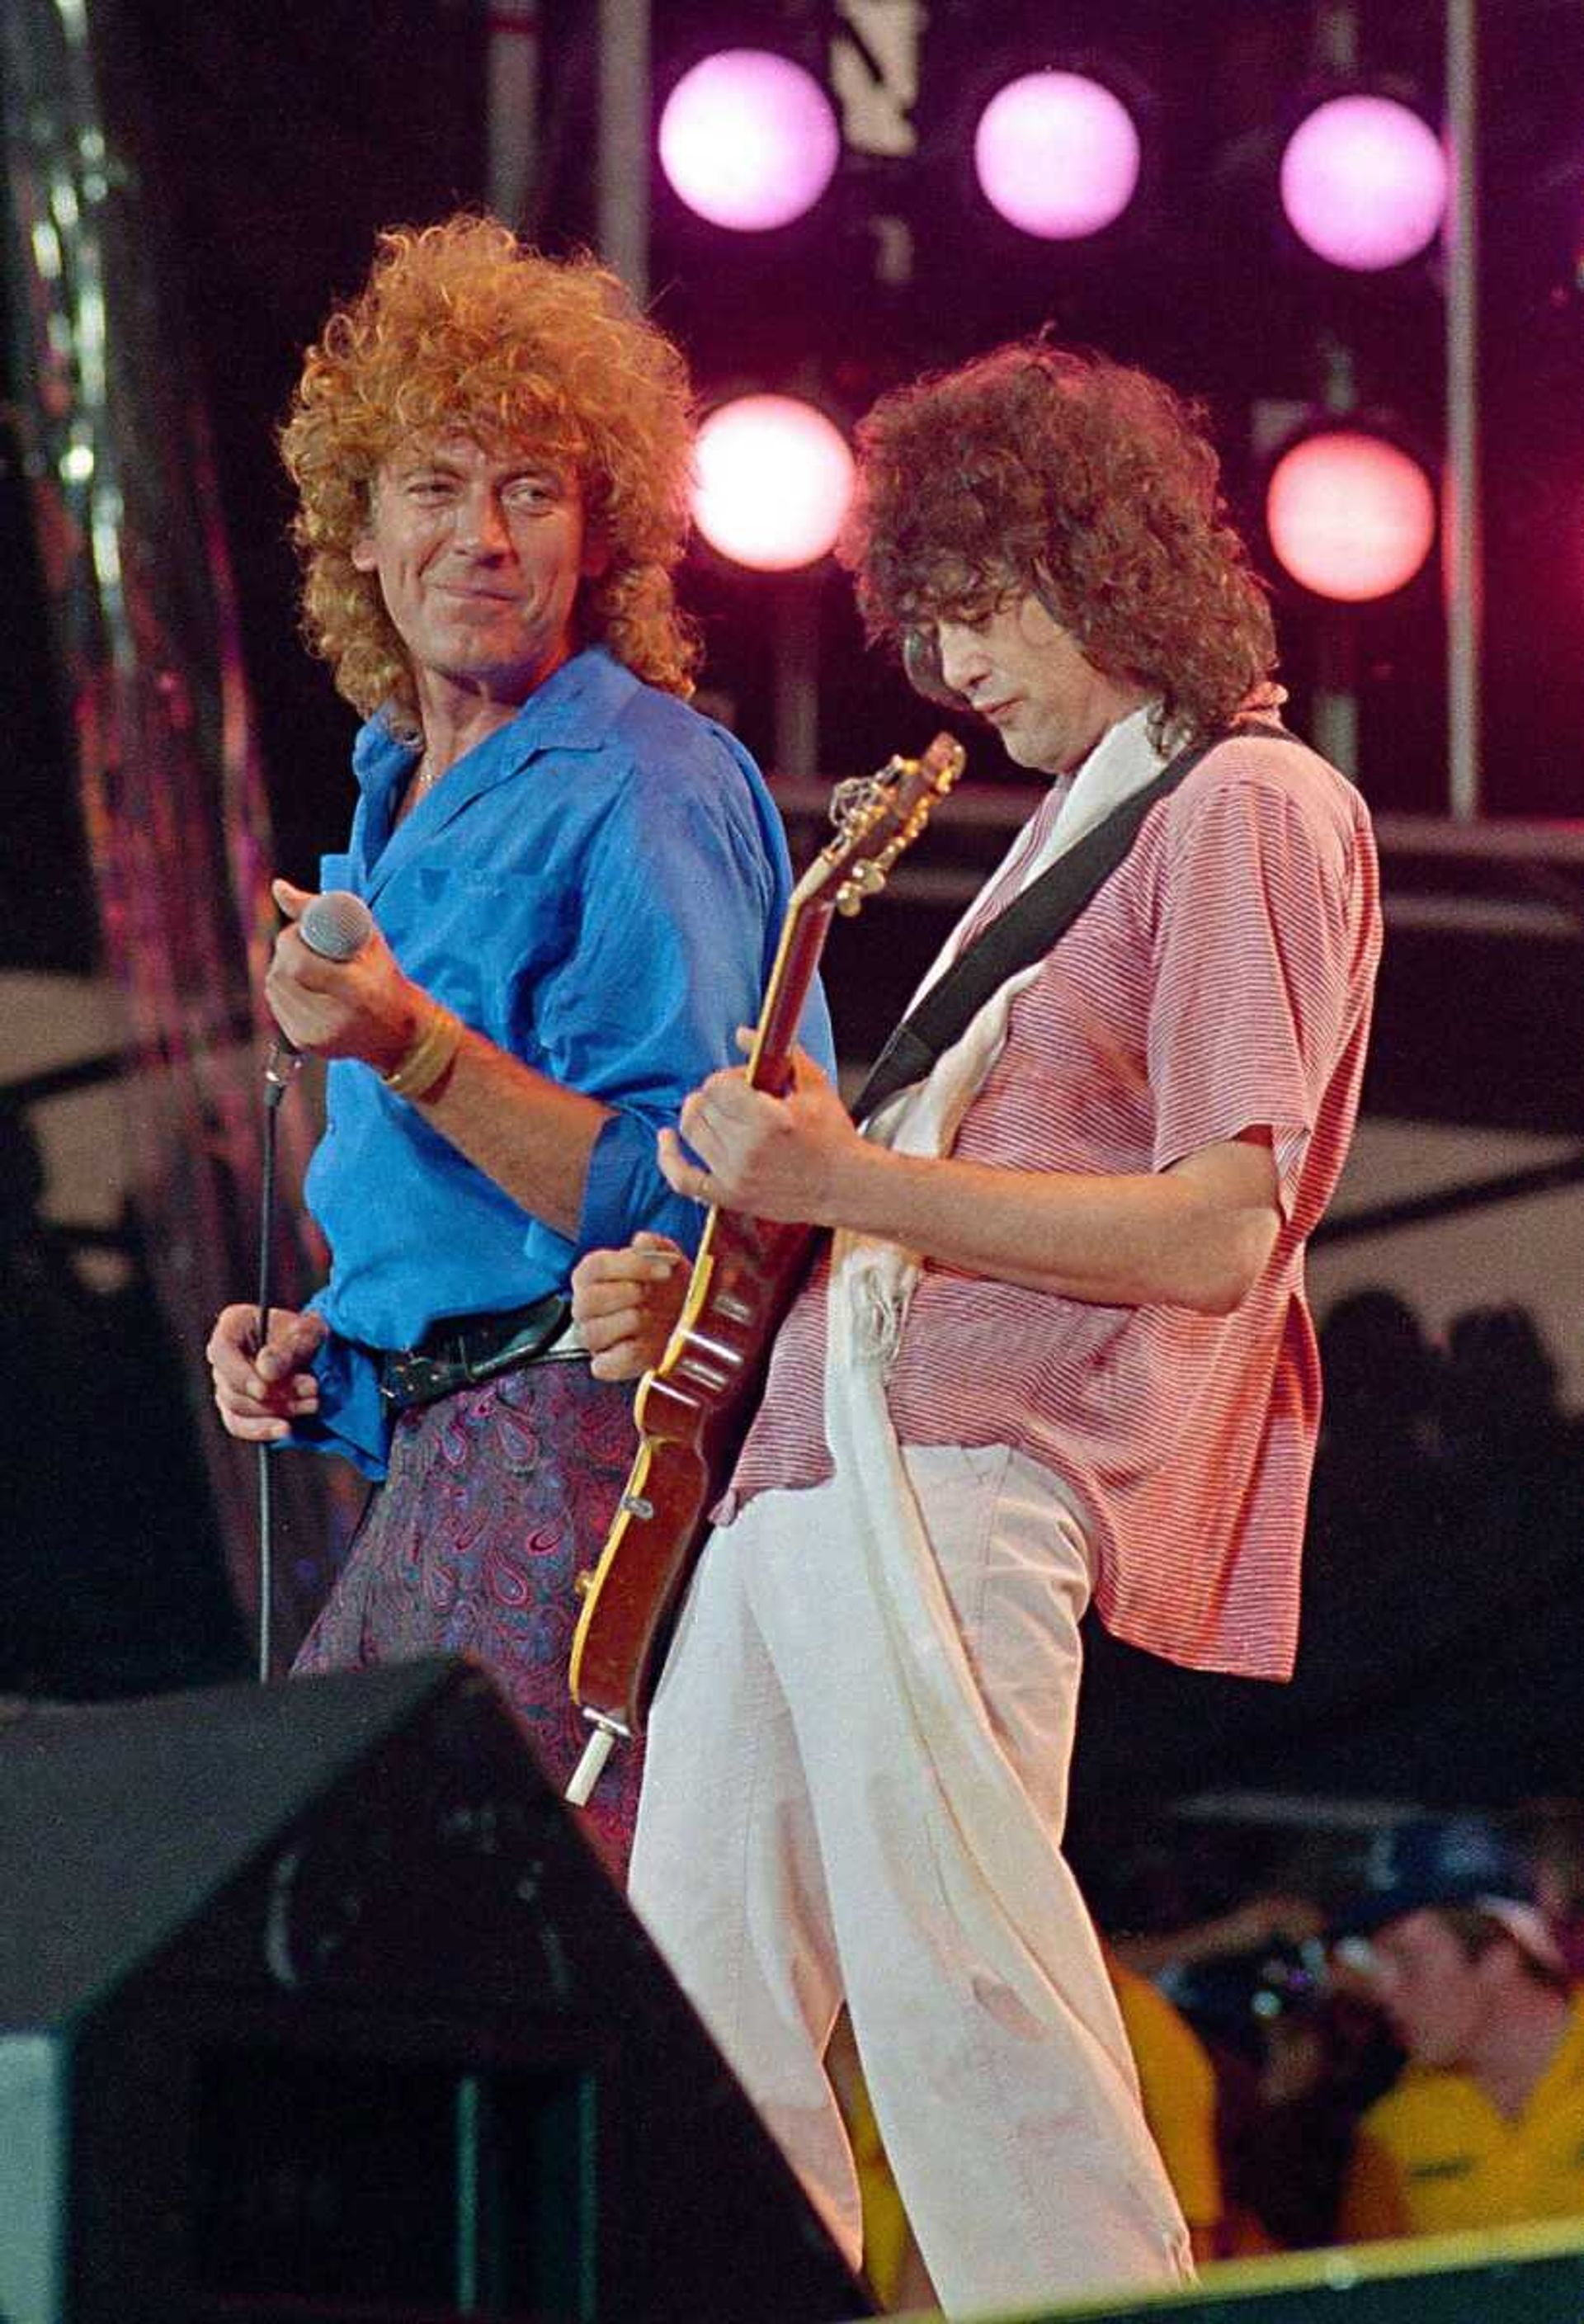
494, 1500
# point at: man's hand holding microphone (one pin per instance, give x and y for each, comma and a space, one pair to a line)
335, 991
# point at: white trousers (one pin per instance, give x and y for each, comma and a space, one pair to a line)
789, 1856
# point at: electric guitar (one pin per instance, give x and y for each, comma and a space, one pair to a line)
694, 1408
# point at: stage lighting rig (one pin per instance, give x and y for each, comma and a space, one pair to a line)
1057, 154
775, 475
1364, 181
747, 139
1351, 513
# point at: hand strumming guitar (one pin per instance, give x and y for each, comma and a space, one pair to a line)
627, 1302
772, 1157
795, 1158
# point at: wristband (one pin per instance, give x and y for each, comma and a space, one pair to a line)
429, 1056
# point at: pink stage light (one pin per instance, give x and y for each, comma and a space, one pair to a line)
748, 139
774, 480
1057, 155
1349, 516
1364, 183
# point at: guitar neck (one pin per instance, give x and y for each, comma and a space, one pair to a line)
693, 1407
873, 828
803, 939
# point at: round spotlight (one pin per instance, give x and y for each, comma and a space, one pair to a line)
775, 476
748, 139
1364, 183
1057, 155
1349, 516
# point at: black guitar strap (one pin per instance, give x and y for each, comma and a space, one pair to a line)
1029, 927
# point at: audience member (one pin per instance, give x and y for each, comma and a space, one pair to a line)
1322, 2054
1550, 1833
1485, 2127
1178, 2082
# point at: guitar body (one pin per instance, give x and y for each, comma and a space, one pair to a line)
693, 1410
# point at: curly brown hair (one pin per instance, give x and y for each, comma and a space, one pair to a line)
460, 327
1038, 471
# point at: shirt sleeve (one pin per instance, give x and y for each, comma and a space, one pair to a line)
678, 903
1255, 948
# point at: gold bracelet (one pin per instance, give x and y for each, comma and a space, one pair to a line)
428, 1057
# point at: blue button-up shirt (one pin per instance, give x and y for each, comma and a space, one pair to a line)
598, 888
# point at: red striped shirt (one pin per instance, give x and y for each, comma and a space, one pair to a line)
1220, 982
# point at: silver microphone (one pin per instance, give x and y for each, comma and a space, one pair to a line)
335, 926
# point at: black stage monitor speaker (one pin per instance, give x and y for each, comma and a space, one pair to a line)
314, 2004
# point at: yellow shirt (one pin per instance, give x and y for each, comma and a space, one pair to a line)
1177, 2084
1434, 2155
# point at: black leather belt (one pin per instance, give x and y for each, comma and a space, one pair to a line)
459, 1351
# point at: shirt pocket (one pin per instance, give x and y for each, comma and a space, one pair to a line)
483, 940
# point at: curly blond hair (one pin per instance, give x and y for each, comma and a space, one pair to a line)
460, 327
1035, 471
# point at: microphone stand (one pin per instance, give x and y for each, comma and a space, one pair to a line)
335, 925
281, 1070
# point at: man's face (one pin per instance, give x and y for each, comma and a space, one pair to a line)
479, 555
1022, 670
1438, 2000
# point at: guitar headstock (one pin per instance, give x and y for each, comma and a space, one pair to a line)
876, 818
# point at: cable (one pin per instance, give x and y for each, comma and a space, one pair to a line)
280, 1072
